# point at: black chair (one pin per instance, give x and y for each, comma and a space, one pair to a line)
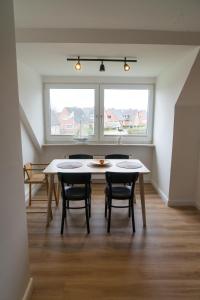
119, 156
80, 156
75, 187
117, 189
116, 156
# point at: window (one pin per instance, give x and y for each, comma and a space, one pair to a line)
70, 111
127, 112
105, 113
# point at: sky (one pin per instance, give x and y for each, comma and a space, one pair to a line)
113, 98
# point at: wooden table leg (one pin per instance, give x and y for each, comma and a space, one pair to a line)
141, 183
50, 194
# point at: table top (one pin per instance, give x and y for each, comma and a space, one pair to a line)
87, 166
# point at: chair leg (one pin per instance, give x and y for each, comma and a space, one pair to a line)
109, 214
87, 215
89, 206
106, 206
133, 218
129, 208
30, 194
63, 218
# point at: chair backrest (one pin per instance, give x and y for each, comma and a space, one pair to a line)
74, 178
80, 156
116, 156
28, 170
121, 178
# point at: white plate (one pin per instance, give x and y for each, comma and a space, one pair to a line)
70, 165
129, 165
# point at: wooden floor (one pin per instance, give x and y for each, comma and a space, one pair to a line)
161, 262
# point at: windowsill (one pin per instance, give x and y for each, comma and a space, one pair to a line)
97, 144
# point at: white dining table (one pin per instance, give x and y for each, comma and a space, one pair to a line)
90, 166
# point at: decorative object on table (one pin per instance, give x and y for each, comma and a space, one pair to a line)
100, 163
129, 165
69, 165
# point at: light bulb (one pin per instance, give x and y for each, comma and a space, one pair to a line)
126, 66
78, 65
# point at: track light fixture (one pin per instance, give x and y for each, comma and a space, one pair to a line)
102, 67
102, 60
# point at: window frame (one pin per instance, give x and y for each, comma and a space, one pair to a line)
68, 138
99, 113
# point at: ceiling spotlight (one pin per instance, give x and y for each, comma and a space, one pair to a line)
102, 67
126, 66
78, 65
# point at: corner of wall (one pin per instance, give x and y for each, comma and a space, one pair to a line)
168, 89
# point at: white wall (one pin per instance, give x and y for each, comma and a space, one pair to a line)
98, 79
168, 87
29, 151
29, 154
14, 273
31, 98
31, 114
185, 154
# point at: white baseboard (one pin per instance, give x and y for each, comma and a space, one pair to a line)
29, 290
35, 188
160, 192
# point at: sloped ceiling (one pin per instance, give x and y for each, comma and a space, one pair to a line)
50, 59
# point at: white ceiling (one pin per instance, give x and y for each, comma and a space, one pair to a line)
50, 59
173, 15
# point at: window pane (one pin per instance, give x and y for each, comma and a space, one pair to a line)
125, 111
72, 112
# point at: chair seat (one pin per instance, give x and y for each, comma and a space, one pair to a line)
120, 192
75, 192
36, 178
